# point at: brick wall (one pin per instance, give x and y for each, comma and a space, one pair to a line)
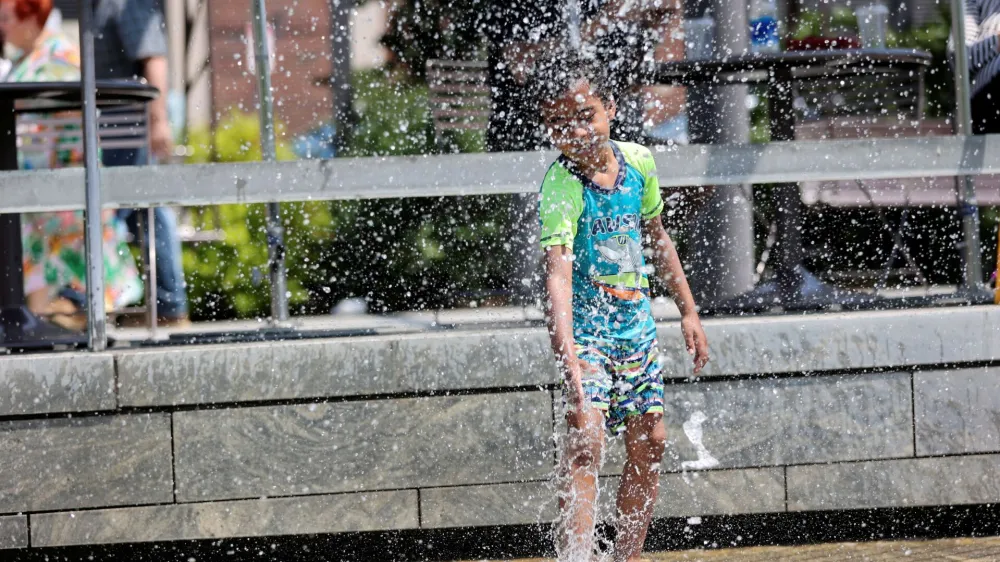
302, 57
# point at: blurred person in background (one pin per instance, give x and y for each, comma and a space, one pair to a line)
618, 34
53, 243
38, 53
132, 45
982, 28
4, 62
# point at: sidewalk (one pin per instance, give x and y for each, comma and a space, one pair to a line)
951, 550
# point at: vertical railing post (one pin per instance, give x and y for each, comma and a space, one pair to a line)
340, 79
722, 229
97, 338
275, 232
968, 208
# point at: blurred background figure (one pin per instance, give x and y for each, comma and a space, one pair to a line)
618, 34
37, 53
982, 27
53, 243
520, 33
133, 44
4, 61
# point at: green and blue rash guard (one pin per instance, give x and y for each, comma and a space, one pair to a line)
603, 229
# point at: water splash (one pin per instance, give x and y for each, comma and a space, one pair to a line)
693, 431
573, 24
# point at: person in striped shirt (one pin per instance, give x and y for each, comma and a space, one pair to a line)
982, 28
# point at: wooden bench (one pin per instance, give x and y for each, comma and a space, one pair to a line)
459, 96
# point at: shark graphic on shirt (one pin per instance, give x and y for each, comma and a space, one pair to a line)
623, 251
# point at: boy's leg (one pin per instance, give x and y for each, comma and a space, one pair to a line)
640, 405
578, 498
645, 437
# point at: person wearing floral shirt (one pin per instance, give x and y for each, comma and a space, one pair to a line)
53, 243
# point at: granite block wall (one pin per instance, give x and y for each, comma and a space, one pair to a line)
825, 412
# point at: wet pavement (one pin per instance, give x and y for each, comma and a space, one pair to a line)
951, 550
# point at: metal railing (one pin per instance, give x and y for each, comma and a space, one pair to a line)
494, 173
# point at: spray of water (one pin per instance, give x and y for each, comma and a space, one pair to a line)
578, 461
573, 25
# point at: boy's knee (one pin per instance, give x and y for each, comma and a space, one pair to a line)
649, 446
657, 441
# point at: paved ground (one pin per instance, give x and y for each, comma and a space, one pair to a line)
951, 550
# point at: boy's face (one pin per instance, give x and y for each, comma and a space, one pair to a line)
578, 122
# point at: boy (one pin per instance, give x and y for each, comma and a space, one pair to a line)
599, 202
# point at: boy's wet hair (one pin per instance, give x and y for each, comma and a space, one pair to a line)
560, 71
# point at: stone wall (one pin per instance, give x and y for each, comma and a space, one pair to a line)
455, 429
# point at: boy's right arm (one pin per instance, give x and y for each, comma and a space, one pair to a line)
559, 283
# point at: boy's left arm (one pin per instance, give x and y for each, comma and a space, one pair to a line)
668, 267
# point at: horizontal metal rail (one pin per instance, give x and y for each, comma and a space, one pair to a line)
498, 173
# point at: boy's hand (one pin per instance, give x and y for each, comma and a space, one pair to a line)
694, 339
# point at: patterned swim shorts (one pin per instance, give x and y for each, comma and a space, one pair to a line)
626, 381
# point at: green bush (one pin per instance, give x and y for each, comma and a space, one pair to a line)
229, 278
398, 254
236, 139
406, 254
392, 118
939, 83
835, 21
